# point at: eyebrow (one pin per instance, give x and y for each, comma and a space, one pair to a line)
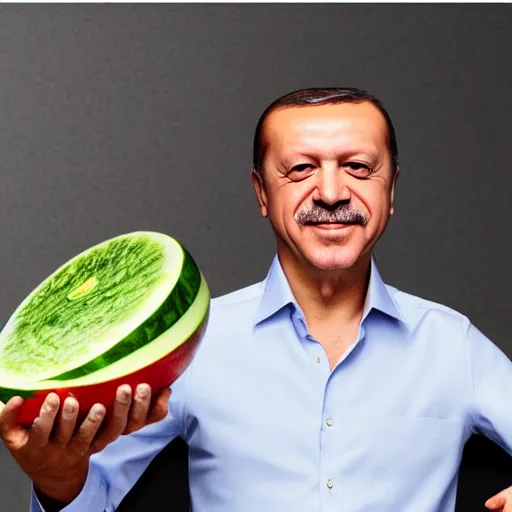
368, 151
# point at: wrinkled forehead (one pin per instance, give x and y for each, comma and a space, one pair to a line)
326, 131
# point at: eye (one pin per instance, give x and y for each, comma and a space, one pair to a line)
300, 171
301, 167
358, 169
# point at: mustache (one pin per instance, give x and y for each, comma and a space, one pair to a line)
344, 214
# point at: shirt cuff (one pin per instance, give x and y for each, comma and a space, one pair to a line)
93, 496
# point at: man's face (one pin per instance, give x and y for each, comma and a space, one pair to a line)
328, 182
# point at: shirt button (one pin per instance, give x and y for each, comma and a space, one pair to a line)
329, 422
318, 360
330, 484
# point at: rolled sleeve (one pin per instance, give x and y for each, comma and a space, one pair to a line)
93, 496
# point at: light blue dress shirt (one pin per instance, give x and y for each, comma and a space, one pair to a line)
271, 428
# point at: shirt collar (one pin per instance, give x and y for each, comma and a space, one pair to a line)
378, 296
277, 294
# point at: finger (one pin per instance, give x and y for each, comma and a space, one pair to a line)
67, 421
495, 503
43, 424
120, 412
118, 418
9, 412
8, 417
499, 500
81, 442
160, 408
508, 500
139, 409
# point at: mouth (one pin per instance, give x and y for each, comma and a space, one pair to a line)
330, 225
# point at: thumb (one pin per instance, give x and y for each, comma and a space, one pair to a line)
9, 414
498, 501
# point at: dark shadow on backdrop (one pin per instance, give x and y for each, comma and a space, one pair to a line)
485, 470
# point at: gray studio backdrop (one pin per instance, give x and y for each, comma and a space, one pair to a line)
116, 118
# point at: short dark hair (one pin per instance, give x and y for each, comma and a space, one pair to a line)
322, 96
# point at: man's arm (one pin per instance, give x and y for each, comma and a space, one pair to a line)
490, 372
490, 413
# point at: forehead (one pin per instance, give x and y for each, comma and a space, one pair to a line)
326, 129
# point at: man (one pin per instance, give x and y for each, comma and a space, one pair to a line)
320, 388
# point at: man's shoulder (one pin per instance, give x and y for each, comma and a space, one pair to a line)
232, 316
243, 301
415, 308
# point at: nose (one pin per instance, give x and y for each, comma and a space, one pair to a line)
331, 188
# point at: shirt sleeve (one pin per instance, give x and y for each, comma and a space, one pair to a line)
116, 469
491, 380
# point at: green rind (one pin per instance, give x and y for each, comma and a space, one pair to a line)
167, 342
174, 306
7, 393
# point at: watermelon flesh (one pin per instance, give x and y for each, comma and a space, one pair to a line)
130, 310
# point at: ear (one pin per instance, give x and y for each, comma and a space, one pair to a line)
393, 187
259, 189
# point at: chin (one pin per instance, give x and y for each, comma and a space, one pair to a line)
330, 259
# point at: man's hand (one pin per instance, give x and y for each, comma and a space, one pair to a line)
501, 502
55, 451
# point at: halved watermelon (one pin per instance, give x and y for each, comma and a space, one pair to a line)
129, 310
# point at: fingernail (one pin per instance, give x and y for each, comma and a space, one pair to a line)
97, 411
52, 401
124, 392
142, 390
69, 406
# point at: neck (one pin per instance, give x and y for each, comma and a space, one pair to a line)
328, 297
